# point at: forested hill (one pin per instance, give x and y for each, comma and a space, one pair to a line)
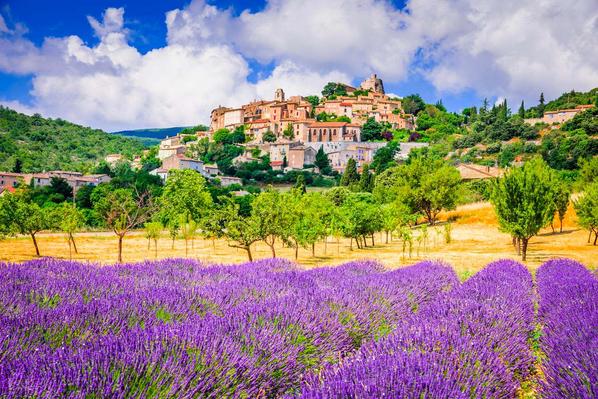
34, 143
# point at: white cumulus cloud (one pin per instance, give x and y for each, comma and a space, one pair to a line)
511, 49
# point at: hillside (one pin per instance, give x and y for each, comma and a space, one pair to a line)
34, 143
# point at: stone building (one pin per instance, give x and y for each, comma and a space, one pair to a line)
373, 83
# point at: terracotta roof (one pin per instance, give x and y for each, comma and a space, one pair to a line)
346, 104
11, 174
259, 121
328, 124
276, 163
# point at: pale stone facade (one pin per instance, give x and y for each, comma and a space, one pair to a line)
559, 116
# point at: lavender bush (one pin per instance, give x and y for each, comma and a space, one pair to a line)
180, 329
468, 343
177, 328
569, 314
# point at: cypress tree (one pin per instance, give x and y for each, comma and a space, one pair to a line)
541, 105
322, 161
366, 181
350, 175
521, 111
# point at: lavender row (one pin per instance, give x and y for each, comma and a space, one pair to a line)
180, 329
469, 343
569, 315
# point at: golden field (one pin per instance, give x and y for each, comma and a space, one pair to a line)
476, 241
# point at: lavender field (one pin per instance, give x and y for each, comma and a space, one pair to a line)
268, 329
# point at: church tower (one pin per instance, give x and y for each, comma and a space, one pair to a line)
279, 95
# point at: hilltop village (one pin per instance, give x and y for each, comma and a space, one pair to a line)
292, 130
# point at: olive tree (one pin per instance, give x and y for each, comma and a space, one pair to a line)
68, 219
427, 185
122, 210
152, 233
20, 215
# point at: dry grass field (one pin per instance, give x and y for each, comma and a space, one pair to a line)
476, 241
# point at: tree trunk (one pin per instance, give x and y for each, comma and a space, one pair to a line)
552, 226
351, 242
120, 249
595, 237
35, 244
561, 228
373, 244
248, 249
72, 238
214, 244
296, 251
518, 246
524, 248
386, 236
514, 240
313, 249
155, 249
271, 245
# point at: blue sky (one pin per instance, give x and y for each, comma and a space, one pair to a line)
133, 64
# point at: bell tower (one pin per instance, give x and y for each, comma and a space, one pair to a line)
279, 95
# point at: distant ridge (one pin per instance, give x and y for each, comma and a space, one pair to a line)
156, 133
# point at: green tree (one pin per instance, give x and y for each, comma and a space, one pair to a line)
350, 176
185, 193
188, 228
300, 184
384, 158
271, 217
366, 181
523, 201
307, 220
20, 215
371, 130
289, 132
412, 104
588, 172
322, 162
562, 195
241, 231
521, 111
313, 100
121, 210
427, 185
362, 218
541, 105
269, 137
152, 233
586, 208
68, 219
332, 89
